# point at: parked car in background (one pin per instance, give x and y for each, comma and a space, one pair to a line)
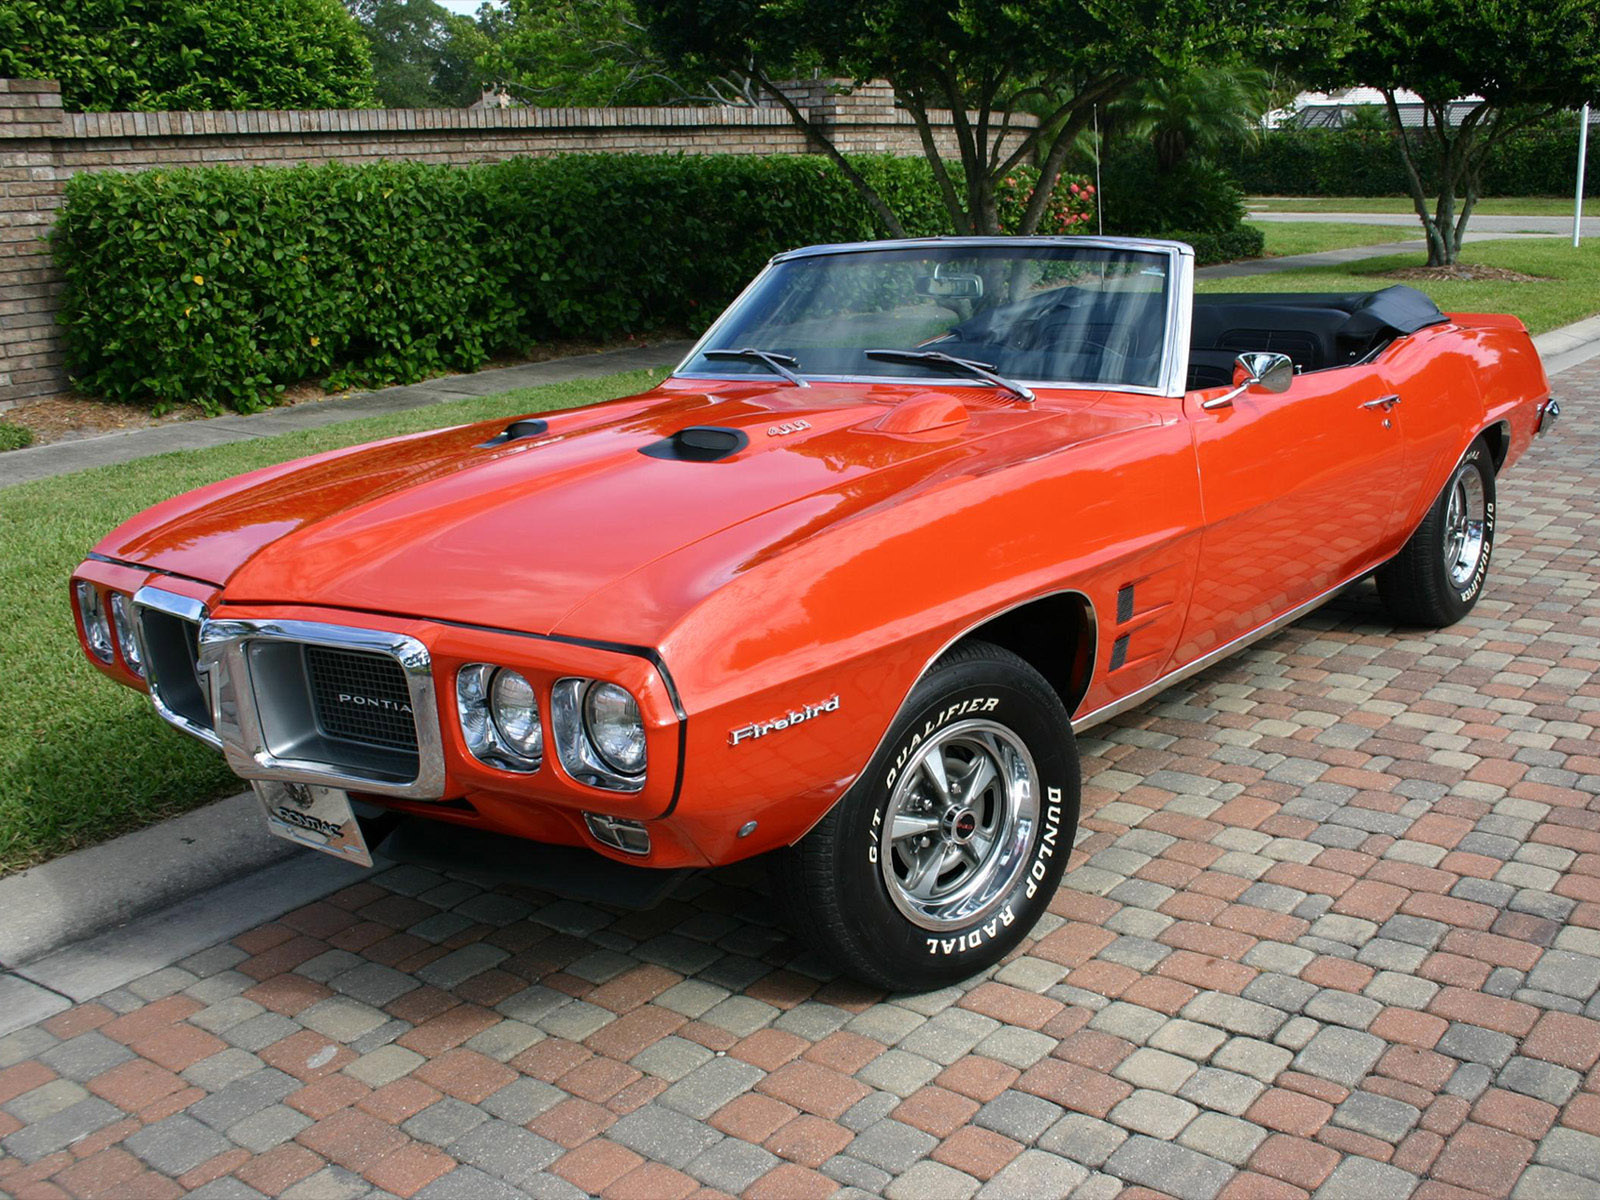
840, 590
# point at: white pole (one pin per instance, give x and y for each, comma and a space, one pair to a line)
1099, 197
1583, 155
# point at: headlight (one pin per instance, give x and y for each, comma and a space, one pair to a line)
96, 629
499, 717
611, 719
599, 734
127, 636
516, 713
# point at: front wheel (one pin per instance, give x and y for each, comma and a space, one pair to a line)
1438, 575
949, 847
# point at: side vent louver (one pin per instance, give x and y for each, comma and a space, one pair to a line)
1125, 604
1119, 652
698, 443
529, 427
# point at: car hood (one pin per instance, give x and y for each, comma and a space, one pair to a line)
450, 526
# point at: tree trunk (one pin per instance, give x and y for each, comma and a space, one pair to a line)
823, 142
1438, 250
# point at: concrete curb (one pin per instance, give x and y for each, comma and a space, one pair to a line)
1570, 345
61, 458
88, 891
126, 952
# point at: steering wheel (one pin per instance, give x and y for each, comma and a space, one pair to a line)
1109, 356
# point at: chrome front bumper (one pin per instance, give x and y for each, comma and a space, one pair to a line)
254, 704
1549, 413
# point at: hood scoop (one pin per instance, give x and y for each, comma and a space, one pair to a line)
528, 427
922, 413
698, 443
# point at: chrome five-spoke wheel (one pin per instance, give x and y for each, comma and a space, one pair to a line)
958, 824
1464, 522
951, 844
1439, 573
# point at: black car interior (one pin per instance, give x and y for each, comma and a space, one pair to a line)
1108, 337
1317, 330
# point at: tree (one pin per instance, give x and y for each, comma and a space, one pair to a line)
984, 61
423, 55
1194, 111
588, 53
149, 55
1513, 64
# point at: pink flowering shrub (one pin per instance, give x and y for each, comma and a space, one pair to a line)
1070, 208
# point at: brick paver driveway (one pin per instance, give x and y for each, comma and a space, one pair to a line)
1333, 927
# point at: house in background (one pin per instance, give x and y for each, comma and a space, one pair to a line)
1362, 106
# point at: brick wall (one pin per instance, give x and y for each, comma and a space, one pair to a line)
41, 147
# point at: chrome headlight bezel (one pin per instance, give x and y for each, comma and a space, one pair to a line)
491, 735
579, 747
96, 622
126, 625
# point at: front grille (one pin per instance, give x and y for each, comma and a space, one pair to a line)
361, 697
172, 651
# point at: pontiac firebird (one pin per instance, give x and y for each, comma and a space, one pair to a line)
840, 590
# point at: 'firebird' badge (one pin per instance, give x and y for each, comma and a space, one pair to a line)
793, 717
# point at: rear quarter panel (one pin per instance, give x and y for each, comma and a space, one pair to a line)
1455, 381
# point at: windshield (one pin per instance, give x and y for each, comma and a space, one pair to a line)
1042, 313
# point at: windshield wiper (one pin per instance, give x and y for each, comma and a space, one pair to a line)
961, 366
779, 364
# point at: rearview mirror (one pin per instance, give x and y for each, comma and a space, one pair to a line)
1262, 370
951, 286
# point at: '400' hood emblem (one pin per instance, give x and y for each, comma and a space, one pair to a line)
794, 716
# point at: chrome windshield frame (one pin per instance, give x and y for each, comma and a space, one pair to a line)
1171, 378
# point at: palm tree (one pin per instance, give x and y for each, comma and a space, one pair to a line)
1195, 110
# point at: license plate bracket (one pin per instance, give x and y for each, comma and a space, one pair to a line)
311, 815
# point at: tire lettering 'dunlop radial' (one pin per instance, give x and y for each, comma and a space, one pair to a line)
1465, 514
959, 825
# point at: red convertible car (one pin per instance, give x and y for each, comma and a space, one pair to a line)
841, 589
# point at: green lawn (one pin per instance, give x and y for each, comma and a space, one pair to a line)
1312, 236
1506, 206
81, 758
1569, 294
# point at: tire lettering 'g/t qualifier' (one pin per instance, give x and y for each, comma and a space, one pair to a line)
1483, 559
933, 725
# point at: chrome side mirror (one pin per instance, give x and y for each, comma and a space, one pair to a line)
1264, 369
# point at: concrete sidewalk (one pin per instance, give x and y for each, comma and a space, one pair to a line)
1481, 223
61, 458
1332, 258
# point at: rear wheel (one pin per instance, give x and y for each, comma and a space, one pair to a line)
1438, 575
949, 847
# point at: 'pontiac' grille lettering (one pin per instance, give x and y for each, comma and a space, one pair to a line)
397, 706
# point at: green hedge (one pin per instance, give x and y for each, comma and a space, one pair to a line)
219, 286
1361, 162
1243, 241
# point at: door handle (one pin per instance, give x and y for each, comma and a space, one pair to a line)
1383, 402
